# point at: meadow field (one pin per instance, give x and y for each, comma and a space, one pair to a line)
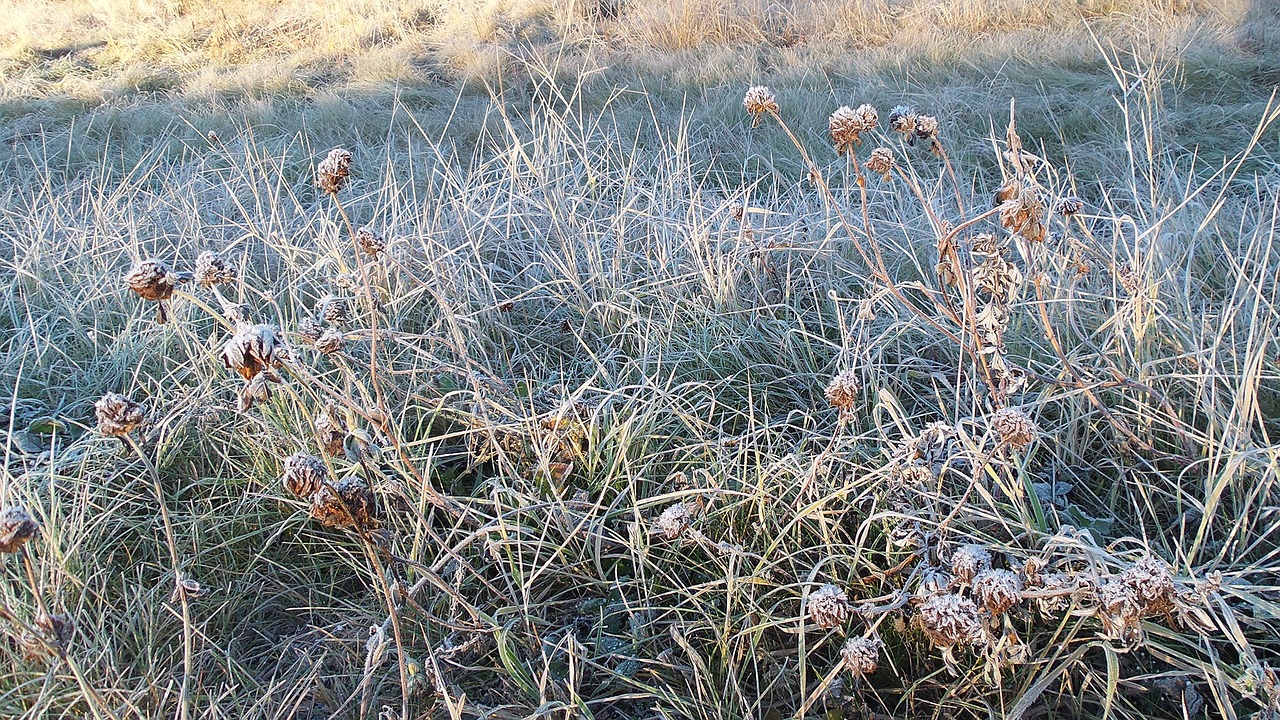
633, 360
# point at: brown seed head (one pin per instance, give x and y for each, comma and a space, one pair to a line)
1014, 427
117, 415
345, 503
881, 161
1120, 611
673, 521
997, 590
758, 101
253, 349
332, 173
926, 127
1151, 582
152, 280
330, 341
17, 528
969, 560
902, 119
1069, 206
950, 619
847, 125
304, 474
861, 655
331, 428
213, 269
310, 329
843, 391
829, 607
370, 241
335, 310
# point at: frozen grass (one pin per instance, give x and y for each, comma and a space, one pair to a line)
577, 332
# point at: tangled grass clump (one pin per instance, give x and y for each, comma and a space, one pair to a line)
594, 433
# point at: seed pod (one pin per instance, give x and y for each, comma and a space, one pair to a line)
881, 161
829, 607
1014, 427
843, 390
950, 620
332, 431
254, 348
17, 528
335, 310
846, 126
304, 474
997, 590
969, 560
673, 521
370, 241
117, 415
332, 173
310, 329
213, 269
344, 503
861, 655
330, 341
758, 101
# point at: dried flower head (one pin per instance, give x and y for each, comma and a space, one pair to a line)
758, 101
1129, 279
310, 329
330, 341
335, 310
861, 655
881, 161
997, 277
926, 127
843, 390
253, 349
1120, 611
997, 590
57, 628
934, 581
257, 390
1022, 212
345, 503
969, 560
949, 620
673, 521
1069, 206
304, 474
829, 607
152, 280
1056, 589
332, 173
238, 313
847, 125
1014, 427
902, 119
17, 527
370, 241
331, 429
117, 414
213, 269
1151, 582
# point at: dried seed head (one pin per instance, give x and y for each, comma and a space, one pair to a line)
238, 313
253, 349
153, 280
330, 341
17, 527
934, 581
829, 607
861, 655
57, 628
1058, 587
950, 620
926, 127
331, 428
304, 474
1069, 206
1129, 279
1022, 212
1120, 611
257, 390
332, 173
1014, 427
997, 590
345, 503
1151, 582
370, 241
987, 245
213, 269
847, 125
969, 560
842, 392
881, 161
310, 329
117, 415
335, 310
673, 521
758, 101
902, 119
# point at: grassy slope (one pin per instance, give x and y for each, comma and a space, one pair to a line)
699, 344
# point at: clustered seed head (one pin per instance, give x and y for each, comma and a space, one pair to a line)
997, 590
758, 101
1151, 582
829, 607
152, 280
332, 431
842, 391
213, 269
370, 241
1055, 583
1014, 427
335, 310
950, 619
847, 125
332, 173
926, 127
1069, 206
881, 161
17, 528
673, 521
304, 474
969, 560
345, 503
330, 341
1120, 611
254, 349
861, 655
310, 329
902, 119
117, 414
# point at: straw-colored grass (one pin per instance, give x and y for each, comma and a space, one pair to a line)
630, 385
